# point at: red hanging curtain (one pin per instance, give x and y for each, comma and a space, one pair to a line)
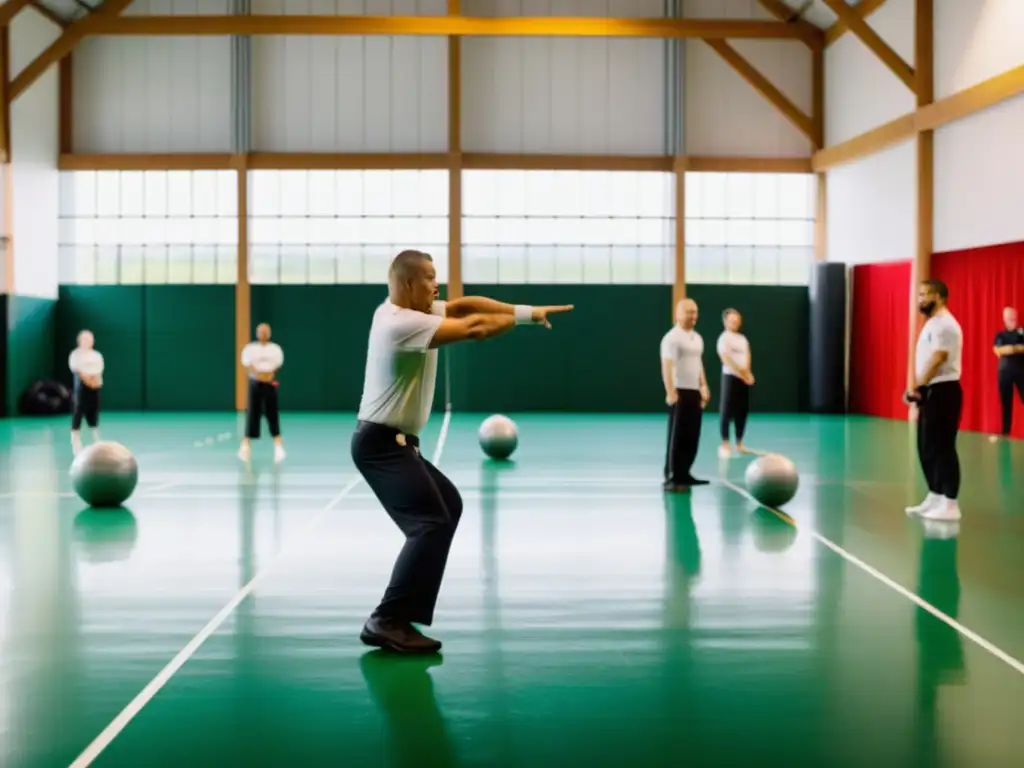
879, 338
981, 282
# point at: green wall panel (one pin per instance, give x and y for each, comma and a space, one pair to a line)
602, 357
189, 347
31, 331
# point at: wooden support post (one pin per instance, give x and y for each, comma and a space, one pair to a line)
243, 311
6, 179
679, 283
924, 68
67, 105
818, 142
455, 286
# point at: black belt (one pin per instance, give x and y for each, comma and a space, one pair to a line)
400, 437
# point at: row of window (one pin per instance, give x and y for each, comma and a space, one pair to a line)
271, 265
518, 226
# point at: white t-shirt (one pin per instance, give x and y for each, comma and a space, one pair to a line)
87, 362
265, 358
685, 350
401, 368
942, 331
736, 348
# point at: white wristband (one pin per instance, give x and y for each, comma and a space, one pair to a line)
523, 314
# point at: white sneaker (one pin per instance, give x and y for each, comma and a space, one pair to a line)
244, 453
279, 453
946, 510
931, 500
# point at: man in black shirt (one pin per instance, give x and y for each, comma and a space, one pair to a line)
1009, 348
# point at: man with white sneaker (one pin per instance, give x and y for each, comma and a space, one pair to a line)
939, 398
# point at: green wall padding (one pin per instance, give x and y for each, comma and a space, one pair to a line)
189, 347
172, 347
166, 347
31, 333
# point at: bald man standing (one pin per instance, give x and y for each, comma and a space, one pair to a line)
262, 359
1009, 348
86, 365
686, 393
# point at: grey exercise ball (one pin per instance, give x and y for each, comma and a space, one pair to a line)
772, 480
498, 436
104, 474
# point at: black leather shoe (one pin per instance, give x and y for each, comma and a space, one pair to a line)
694, 481
398, 636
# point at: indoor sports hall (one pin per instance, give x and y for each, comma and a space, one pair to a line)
184, 179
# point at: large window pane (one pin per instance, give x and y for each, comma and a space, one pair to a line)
755, 228
147, 226
567, 226
344, 226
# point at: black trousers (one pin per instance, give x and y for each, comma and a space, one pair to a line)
262, 402
684, 423
1010, 376
735, 406
425, 506
938, 423
86, 406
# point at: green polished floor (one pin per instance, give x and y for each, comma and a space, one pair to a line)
587, 618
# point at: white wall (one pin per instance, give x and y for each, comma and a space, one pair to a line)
154, 94
979, 160
724, 114
564, 96
35, 145
872, 202
872, 207
350, 94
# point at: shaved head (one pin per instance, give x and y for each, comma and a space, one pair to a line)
412, 280
1010, 318
85, 339
263, 332
686, 313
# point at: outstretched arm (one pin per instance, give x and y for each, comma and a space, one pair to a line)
471, 328
481, 305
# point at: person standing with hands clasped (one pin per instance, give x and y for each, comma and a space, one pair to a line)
686, 393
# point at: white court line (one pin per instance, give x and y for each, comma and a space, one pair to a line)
119, 723
971, 635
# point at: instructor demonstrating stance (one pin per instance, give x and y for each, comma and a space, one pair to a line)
398, 389
939, 399
686, 393
1009, 348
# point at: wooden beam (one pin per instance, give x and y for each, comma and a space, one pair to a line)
5, 102
66, 105
863, 9
874, 42
680, 167
970, 100
708, 164
10, 9
455, 281
6, 177
63, 45
967, 102
243, 297
437, 26
924, 60
868, 143
821, 186
764, 86
469, 161
788, 15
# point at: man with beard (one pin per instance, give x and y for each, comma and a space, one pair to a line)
939, 398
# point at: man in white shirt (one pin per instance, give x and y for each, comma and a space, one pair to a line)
686, 393
262, 359
398, 391
734, 351
939, 398
86, 365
